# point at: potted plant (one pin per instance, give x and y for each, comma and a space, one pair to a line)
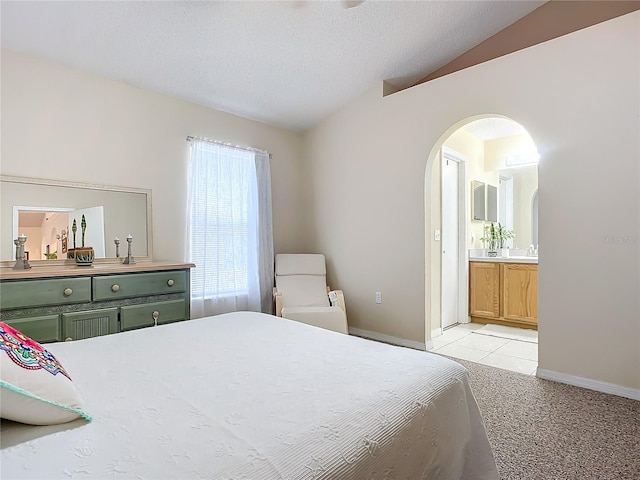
503, 235
495, 237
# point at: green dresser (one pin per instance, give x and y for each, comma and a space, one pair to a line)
106, 299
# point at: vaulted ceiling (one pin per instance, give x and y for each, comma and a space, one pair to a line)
288, 63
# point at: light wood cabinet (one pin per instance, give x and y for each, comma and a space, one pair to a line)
484, 289
504, 293
519, 299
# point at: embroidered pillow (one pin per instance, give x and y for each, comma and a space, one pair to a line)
34, 387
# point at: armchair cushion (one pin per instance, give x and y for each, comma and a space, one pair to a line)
303, 291
331, 318
300, 264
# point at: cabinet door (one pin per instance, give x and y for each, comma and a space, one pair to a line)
520, 292
484, 289
79, 325
43, 329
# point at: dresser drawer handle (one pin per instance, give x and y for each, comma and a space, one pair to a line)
67, 292
170, 282
115, 287
68, 339
155, 316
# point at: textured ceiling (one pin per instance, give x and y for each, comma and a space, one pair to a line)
286, 63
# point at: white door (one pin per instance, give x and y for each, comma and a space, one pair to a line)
450, 253
94, 234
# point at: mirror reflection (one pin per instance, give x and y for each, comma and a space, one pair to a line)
49, 231
44, 211
517, 203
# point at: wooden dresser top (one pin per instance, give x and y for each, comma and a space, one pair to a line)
70, 269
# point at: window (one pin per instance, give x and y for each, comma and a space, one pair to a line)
228, 203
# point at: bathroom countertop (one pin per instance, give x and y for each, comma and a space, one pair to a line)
514, 259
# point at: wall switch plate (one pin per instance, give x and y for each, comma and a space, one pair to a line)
436, 235
378, 297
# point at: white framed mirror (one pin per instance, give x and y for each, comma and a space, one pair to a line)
44, 209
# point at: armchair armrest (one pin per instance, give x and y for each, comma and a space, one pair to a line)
277, 300
336, 297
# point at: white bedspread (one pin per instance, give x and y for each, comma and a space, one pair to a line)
252, 396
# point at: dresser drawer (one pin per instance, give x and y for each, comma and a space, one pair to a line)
42, 329
35, 293
139, 316
139, 284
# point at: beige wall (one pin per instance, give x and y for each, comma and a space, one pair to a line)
62, 124
578, 97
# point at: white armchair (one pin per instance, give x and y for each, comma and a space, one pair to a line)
301, 292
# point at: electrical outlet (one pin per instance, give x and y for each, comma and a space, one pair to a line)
378, 297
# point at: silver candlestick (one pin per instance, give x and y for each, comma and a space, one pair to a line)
21, 262
129, 260
117, 242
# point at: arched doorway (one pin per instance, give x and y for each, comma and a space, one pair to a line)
497, 154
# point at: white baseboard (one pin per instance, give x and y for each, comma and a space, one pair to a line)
598, 386
381, 337
436, 332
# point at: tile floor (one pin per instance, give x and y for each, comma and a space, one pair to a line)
515, 355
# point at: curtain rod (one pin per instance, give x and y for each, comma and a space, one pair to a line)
218, 142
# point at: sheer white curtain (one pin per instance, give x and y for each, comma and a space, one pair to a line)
229, 231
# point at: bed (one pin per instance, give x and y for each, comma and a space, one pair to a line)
252, 396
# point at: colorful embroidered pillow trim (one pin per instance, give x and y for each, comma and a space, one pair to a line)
34, 386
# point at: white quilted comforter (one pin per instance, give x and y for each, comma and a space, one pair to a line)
251, 396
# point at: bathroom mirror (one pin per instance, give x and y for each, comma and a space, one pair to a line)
477, 200
518, 204
492, 203
43, 210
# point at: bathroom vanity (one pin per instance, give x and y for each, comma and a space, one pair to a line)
504, 291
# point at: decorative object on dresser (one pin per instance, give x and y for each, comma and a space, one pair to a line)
55, 303
129, 260
82, 255
22, 260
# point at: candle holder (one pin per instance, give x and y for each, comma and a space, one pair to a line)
129, 260
117, 242
21, 262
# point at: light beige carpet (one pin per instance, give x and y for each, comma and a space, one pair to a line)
542, 430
